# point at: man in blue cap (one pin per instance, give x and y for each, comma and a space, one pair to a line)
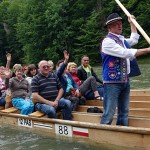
116, 55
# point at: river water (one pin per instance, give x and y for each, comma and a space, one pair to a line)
17, 139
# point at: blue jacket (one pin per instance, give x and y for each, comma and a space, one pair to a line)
63, 79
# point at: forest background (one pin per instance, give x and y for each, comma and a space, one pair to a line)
32, 30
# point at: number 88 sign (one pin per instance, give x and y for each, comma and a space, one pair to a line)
63, 130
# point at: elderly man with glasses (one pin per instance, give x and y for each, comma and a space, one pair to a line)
47, 93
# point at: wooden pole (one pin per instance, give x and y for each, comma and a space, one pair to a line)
134, 21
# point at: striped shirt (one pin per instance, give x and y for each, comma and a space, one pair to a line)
47, 87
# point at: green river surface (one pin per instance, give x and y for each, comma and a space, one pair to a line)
17, 139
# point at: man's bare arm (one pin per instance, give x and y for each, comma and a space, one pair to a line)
142, 51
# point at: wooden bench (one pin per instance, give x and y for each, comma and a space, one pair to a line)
37, 114
2, 107
10, 110
134, 121
133, 111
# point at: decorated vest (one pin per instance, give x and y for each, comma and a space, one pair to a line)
114, 68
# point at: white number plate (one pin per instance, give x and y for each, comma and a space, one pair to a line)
25, 122
63, 130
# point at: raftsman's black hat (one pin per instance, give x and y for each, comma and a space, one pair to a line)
112, 18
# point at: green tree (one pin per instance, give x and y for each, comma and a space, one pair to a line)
34, 30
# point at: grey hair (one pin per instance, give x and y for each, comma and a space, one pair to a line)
39, 64
50, 62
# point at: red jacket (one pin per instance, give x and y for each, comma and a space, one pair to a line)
75, 78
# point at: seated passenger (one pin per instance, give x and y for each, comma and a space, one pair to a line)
91, 81
31, 72
51, 65
5, 74
84, 71
47, 93
70, 87
2, 87
5, 96
20, 92
25, 69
